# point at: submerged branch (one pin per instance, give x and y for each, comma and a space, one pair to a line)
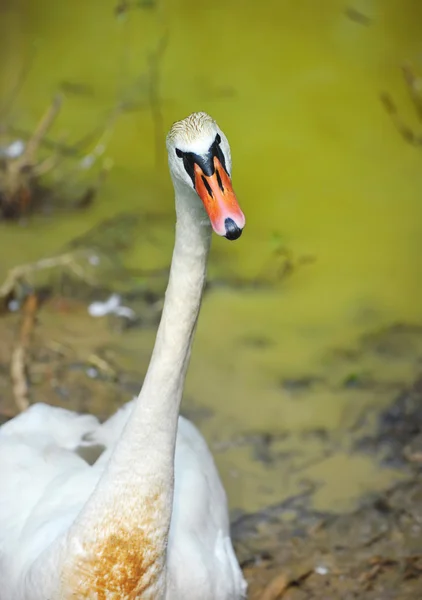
18, 361
28, 157
18, 274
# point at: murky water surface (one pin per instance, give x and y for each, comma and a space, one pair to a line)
324, 178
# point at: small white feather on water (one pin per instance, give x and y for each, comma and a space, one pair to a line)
111, 306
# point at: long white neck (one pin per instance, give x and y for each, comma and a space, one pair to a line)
151, 433
121, 535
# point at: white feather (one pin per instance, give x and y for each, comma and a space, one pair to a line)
45, 483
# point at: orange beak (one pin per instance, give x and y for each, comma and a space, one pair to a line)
220, 202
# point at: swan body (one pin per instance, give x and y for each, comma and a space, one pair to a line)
131, 509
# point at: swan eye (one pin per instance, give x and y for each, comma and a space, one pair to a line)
179, 153
218, 138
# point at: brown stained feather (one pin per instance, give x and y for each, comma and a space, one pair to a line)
121, 562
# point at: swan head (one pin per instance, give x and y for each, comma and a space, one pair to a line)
199, 157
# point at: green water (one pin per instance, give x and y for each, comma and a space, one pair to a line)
317, 160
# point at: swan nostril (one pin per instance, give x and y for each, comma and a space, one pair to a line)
233, 232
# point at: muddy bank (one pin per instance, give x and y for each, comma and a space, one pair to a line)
300, 547
373, 553
294, 552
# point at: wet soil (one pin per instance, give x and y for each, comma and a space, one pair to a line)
373, 553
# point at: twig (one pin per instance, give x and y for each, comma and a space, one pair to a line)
281, 583
19, 172
414, 83
72, 151
18, 361
154, 60
404, 130
275, 588
8, 101
46, 165
28, 157
63, 260
102, 141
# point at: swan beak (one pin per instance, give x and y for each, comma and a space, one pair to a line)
220, 202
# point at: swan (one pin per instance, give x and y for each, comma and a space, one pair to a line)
145, 516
